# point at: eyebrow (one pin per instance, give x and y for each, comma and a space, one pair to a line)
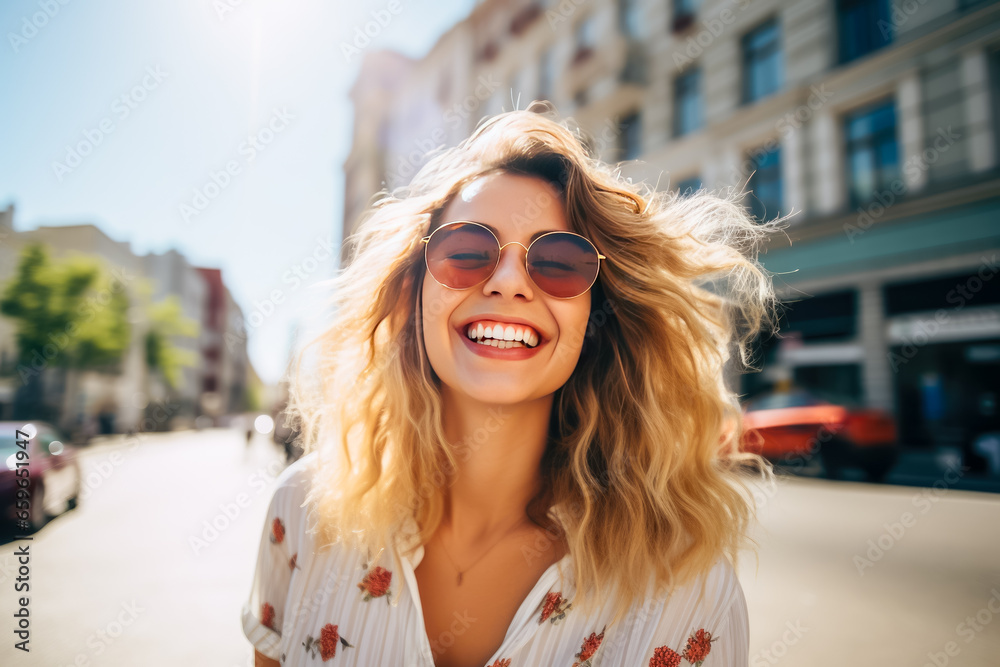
497, 232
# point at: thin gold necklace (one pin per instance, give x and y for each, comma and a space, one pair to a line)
469, 567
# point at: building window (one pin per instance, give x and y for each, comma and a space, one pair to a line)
830, 317
687, 103
586, 40
525, 18
765, 183
689, 186
994, 72
630, 136
762, 71
863, 26
546, 75
489, 52
630, 18
684, 11
872, 153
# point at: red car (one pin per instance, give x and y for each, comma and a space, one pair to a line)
796, 427
52, 473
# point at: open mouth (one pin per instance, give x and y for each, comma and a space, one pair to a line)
502, 336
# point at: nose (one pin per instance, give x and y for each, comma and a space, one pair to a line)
511, 275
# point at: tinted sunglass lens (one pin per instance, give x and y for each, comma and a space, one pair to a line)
563, 265
461, 255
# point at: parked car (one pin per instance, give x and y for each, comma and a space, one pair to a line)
53, 474
797, 426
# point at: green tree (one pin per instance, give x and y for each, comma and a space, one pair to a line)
166, 321
69, 314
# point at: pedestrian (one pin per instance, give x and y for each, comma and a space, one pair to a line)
520, 448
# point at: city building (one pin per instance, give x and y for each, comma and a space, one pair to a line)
171, 276
224, 360
874, 124
131, 397
107, 396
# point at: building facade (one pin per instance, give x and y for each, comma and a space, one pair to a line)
224, 361
131, 397
874, 124
171, 275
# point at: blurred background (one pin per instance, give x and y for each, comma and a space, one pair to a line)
176, 181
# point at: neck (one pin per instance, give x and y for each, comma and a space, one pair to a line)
498, 450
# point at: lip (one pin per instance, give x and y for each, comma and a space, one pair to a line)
510, 354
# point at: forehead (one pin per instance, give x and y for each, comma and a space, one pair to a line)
510, 202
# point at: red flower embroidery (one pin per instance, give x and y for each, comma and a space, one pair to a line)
292, 562
267, 615
501, 662
554, 607
588, 649
376, 583
698, 647
665, 657
277, 531
327, 642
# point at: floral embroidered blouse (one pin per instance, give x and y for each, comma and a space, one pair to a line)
311, 607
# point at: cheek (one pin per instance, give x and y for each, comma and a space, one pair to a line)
573, 327
429, 322
436, 306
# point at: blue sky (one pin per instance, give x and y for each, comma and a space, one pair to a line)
169, 95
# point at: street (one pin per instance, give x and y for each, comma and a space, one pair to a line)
123, 580
153, 567
874, 575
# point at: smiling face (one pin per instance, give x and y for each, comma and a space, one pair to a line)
517, 207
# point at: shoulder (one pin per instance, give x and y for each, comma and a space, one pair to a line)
714, 593
291, 487
297, 476
710, 600
706, 614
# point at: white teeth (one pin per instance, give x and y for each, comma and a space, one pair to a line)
502, 337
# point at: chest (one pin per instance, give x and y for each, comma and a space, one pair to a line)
467, 623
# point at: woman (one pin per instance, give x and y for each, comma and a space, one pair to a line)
521, 450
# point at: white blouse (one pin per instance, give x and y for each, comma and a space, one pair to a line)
309, 606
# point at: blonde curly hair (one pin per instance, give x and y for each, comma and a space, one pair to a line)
643, 466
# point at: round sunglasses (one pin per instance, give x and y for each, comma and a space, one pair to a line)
463, 254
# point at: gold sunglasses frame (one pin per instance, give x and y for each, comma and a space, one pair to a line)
426, 241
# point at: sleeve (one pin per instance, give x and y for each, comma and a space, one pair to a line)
712, 632
732, 648
263, 612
